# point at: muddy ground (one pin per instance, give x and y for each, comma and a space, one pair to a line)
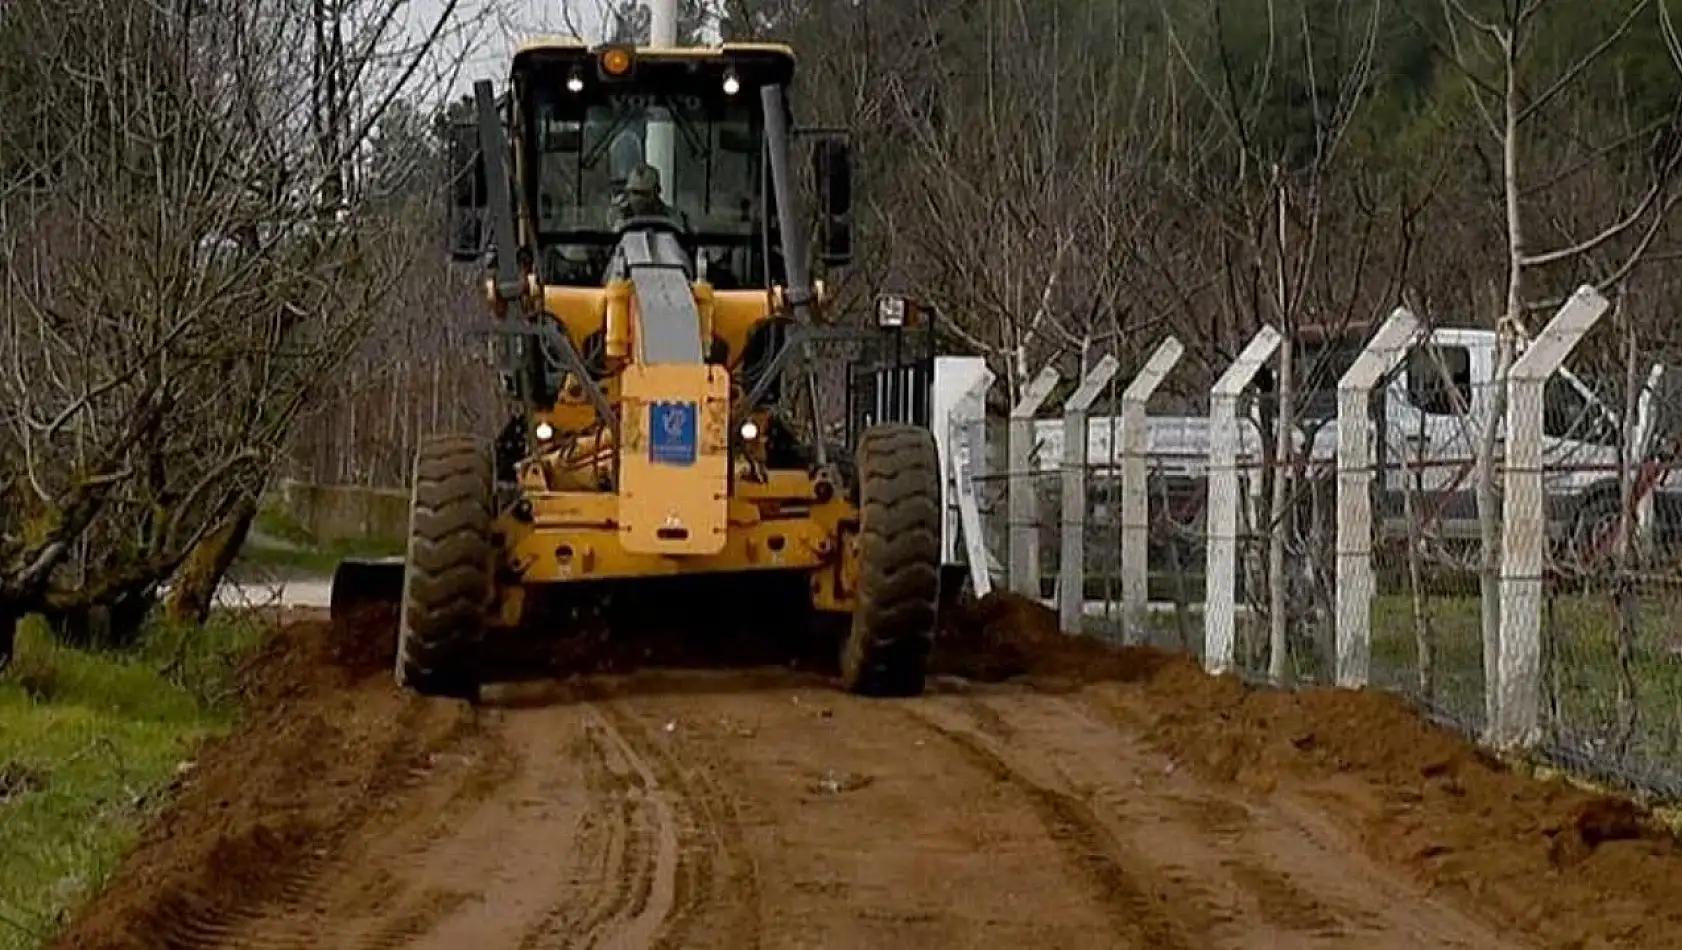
1047, 792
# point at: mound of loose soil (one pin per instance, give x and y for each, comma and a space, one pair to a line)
320, 741
1575, 868
361, 644
1003, 636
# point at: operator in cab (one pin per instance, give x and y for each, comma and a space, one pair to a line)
636, 186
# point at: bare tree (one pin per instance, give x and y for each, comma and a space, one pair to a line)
190, 249
1272, 167
1024, 132
1522, 66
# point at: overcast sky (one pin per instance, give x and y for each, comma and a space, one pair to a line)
487, 52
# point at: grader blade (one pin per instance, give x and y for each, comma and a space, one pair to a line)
363, 585
727, 620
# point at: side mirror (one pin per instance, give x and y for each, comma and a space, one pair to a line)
566, 137
466, 226
832, 168
836, 249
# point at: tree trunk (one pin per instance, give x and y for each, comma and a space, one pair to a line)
1489, 505
1278, 659
194, 591
1624, 593
1281, 519
112, 618
1424, 633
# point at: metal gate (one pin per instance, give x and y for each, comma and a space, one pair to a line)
893, 380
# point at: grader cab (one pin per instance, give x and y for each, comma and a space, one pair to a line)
637, 213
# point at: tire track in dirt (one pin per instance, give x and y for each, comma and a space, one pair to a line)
551, 834
632, 889
672, 872
1134, 908
856, 831
611, 846
711, 883
597, 838
349, 879
1190, 902
656, 892
561, 851
298, 889
1222, 871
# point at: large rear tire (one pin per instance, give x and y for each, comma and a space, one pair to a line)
447, 583
887, 650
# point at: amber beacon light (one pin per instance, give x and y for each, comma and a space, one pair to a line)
615, 62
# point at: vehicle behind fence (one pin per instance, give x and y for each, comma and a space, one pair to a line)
1567, 639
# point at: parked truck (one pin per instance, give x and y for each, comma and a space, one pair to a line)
1429, 416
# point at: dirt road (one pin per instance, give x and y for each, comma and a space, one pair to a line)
743, 809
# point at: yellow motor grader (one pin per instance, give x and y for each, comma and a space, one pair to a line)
636, 210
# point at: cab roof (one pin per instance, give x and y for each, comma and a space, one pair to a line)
537, 46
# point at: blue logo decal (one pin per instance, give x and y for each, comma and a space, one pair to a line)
671, 433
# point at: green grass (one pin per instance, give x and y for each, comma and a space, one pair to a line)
88, 742
1582, 676
314, 560
290, 548
276, 522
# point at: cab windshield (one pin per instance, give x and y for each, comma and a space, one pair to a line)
585, 150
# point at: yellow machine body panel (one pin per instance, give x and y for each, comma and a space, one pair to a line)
775, 525
732, 316
583, 312
574, 537
674, 463
735, 315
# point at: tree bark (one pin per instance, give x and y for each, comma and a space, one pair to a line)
1488, 498
194, 591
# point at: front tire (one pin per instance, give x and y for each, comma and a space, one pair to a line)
447, 583
887, 649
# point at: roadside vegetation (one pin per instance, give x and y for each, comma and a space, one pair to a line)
279, 546
90, 744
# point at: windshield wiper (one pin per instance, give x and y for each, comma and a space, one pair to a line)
697, 146
594, 155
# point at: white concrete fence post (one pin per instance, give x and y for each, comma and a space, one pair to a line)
1517, 677
1023, 500
1077, 451
1355, 583
1220, 599
967, 434
1135, 492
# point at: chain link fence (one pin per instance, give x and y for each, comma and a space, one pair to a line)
1566, 638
